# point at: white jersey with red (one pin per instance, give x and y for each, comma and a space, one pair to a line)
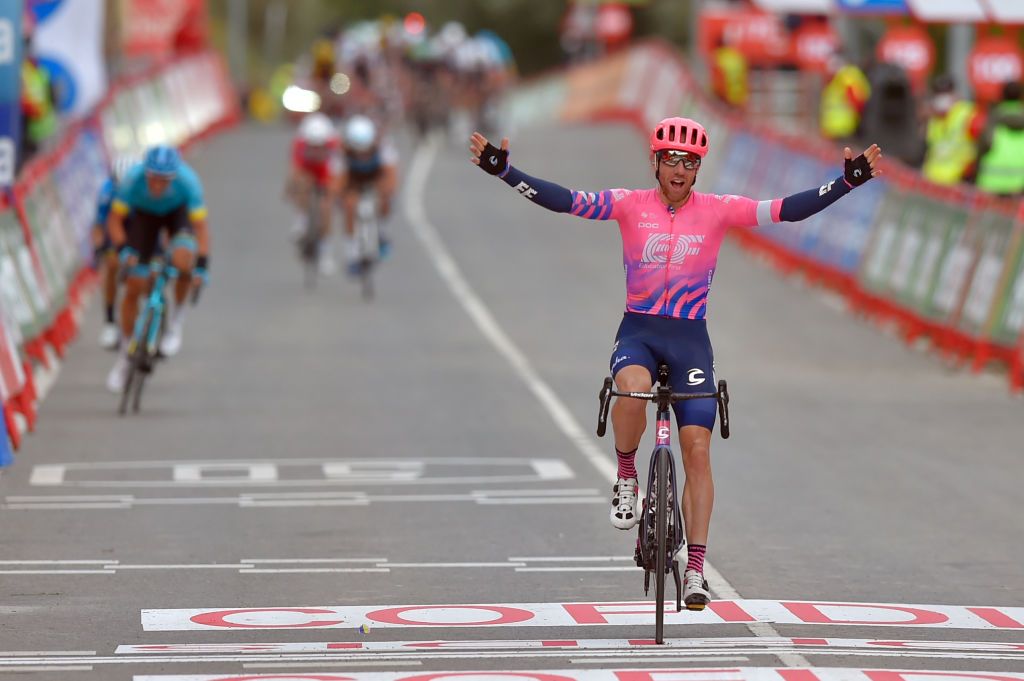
322, 165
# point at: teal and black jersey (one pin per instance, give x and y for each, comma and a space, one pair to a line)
185, 190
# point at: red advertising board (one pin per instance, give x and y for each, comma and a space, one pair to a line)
910, 47
162, 27
761, 37
813, 45
995, 60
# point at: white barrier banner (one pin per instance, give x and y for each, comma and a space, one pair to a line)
69, 43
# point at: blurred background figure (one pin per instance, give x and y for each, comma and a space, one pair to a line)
953, 127
1001, 147
843, 99
729, 75
38, 113
889, 117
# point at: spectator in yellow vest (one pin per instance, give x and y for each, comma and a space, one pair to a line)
843, 99
38, 116
953, 128
1001, 147
729, 75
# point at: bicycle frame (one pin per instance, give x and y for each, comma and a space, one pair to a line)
155, 305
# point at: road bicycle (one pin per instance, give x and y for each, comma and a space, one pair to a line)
144, 345
661, 531
367, 233
310, 242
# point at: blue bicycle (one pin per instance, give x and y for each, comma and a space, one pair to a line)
144, 346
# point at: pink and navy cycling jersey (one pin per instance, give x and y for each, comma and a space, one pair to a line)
670, 257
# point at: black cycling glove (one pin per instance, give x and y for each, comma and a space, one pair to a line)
494, 160
857, 171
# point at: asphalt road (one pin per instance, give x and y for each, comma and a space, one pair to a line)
310, 462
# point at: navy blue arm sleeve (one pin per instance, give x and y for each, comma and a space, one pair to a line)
801, 206
543, 193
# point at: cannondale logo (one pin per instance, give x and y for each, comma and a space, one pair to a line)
661, 249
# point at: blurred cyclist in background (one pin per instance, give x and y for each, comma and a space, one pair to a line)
104, 253
671, 236
369, 163
158, 209
315, 164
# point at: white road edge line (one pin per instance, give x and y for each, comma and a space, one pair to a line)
416, 214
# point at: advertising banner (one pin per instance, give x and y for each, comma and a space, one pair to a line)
68, 43
158, 28
10, 89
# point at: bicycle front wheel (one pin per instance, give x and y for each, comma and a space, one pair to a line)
662, 511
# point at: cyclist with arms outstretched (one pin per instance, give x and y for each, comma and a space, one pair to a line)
159, 209
671, 236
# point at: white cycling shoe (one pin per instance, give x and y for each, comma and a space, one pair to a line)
623, 514
696, 593
170, 344
118, 374
110, 336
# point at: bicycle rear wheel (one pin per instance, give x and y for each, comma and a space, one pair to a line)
661, 532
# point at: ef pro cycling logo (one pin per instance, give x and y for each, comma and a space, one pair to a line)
664, 248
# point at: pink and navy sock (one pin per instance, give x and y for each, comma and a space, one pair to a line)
627, 468
696, 552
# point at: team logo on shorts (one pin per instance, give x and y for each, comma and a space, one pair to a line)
695, 377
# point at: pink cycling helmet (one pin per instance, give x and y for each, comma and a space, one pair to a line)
680, 134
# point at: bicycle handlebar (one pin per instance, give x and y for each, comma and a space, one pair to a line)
608, 392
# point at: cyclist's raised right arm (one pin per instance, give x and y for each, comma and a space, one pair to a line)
554, 197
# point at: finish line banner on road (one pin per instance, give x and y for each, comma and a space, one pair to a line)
583, 614
677, 674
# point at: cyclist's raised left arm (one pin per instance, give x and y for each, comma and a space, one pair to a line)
795, 207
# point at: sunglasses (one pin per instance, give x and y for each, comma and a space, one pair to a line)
673, 158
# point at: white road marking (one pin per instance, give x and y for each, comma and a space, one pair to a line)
283, 473
582, 614
268, 571
570, 559
304, 499
577, 568
364, 646
662, 674
58, 562
50, 668
323, 665
663, 659
416, 214
271, 561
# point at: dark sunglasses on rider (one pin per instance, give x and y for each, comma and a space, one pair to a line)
672, 158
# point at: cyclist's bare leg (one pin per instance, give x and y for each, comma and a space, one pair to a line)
629, 416
133, 288
183, 260
699, 488
325, 214
349, 202
110, 265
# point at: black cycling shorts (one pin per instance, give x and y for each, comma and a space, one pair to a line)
144, 230
683, 344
